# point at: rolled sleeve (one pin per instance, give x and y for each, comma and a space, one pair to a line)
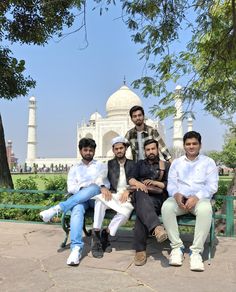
102, 179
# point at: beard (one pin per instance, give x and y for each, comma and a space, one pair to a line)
152, 157
87, 158
139, 122
120, 155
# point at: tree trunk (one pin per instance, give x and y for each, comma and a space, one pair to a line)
5, 175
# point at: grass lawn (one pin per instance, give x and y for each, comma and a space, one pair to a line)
39, 178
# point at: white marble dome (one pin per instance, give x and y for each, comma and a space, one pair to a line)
120, 102
95, 116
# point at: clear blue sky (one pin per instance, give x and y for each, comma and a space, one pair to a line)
72, 83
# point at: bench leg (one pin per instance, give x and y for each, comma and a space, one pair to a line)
86, 232
65, 222
63, 244
212, 239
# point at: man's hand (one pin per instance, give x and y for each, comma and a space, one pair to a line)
141, 186
106, 194
191, 202
124, 197
148, 182
180, 200
138, 185
154, 183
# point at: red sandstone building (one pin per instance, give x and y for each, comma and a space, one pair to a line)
11, 159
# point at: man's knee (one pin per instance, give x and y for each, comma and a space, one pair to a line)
139, 194
142, 198
204, 208
94, 188
168, 206
78, 209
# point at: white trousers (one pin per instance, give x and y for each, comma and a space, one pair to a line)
203, 213
99, 214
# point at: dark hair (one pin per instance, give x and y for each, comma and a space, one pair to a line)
150, 141
192, 134
87, 142
134, 109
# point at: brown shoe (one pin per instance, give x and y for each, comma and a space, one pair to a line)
140, 258
160, 233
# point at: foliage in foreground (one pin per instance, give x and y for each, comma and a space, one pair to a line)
57, 183
52, 199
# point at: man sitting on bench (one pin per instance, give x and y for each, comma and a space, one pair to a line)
117, 198
149, 179
85, 179
192, 180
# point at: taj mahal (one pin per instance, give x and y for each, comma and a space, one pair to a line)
104, 129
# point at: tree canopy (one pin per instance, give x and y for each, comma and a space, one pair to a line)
206, 67
228, 154
208, 64
26, 22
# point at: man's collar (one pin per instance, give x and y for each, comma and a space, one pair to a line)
91, 162
124, 160
196, 158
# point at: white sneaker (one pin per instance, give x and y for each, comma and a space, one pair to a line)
74, 257
47, 215
196, 263
176, 257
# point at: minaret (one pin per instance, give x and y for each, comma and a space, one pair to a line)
9, 152
190, 123
31, 143
177, 120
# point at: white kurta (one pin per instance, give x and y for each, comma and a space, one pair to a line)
115, 204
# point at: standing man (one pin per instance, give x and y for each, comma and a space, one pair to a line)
85, 180
149, 179
192, 181
141, 133
116, 198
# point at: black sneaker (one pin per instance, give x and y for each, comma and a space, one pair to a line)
106, 245
96, 245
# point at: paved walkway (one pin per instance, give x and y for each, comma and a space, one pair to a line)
29, 261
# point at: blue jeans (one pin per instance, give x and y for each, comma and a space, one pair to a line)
82, 196
77, 222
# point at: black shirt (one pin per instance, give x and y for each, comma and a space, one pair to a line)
145, 170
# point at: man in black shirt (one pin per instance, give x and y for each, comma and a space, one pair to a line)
149, 179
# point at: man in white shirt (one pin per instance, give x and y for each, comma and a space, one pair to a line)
192, 181
85, 180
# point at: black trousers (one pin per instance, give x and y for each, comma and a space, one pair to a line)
147, 208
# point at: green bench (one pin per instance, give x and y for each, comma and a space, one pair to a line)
183, 220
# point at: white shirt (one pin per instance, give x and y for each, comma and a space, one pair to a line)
197, 177
83, 175
140, 146
122, 182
